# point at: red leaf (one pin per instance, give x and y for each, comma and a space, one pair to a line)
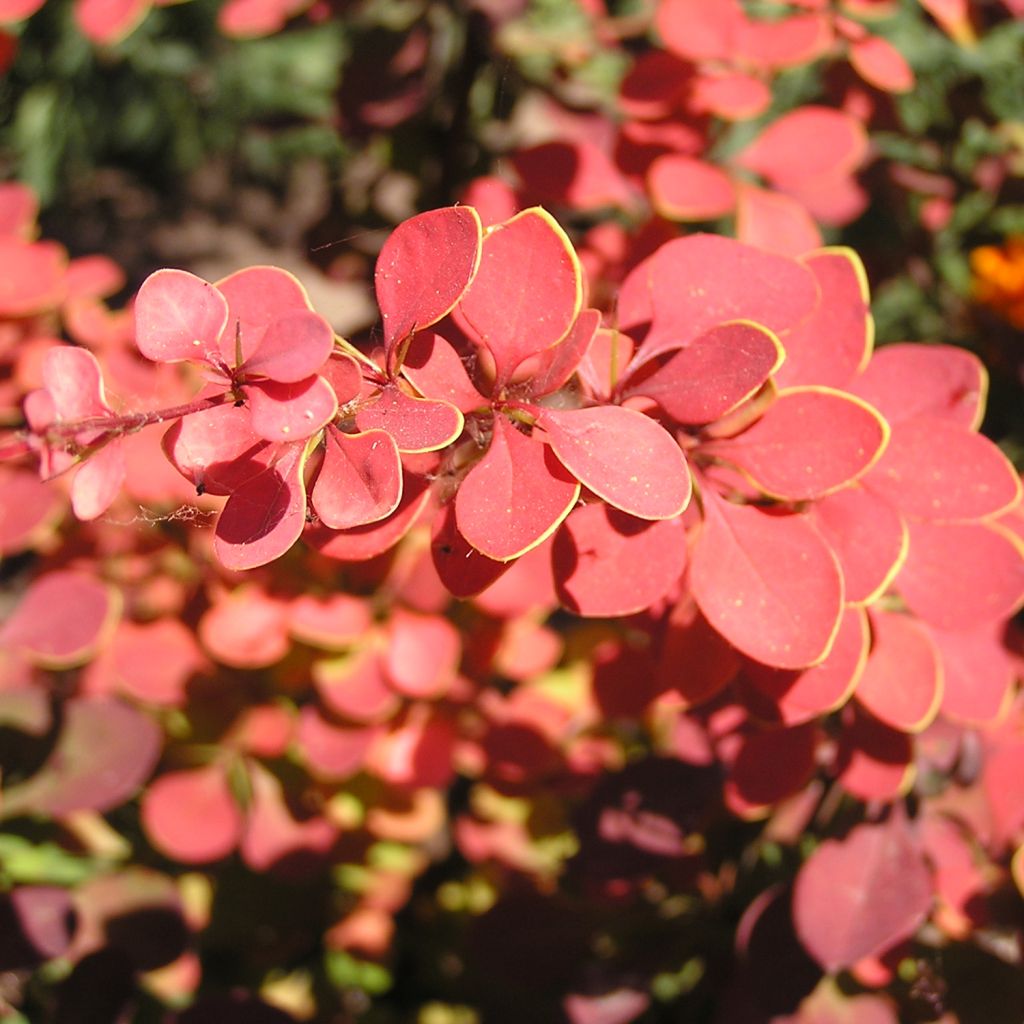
805, 694
437, 372
771, 765
424, 268
623, 456
179, 316
874, 762
697, 30
191, 816
685, 188
19, 206
607, 563
294, 347
578, 174
880, 64
806, 143
364, 542
695, 662
93, 277
834, 343
774, 222
787, 42
61, 619
416, 424
293, 411
857, 896
98, 482
556, 365
768, 583
460, 567
867, 535
910, 380
355, 688
246, 628
109, 21
265, 516
333, 622
731, 96
936, 470
695, 283
717, 372
33, 277
104, 751
902, 681
217, 449
329, 751
422, 654
528, 290
654, 85
962, 576
515, 496
257, 297
360, 480
28, 508
977, 673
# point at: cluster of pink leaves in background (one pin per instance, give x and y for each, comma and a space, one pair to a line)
722, 458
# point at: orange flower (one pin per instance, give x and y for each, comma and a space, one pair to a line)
999, 279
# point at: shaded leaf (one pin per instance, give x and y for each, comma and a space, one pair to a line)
461, 568
437, 371
874, 761
360, 480
771, 765
422, 654
774, 222
416, 424
977, 673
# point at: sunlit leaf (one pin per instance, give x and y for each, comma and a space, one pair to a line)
624, 457
685, 188
774, 222
977, 673
416, 424
360, 480
179, 316
422, 654
290, 411
294, 346
878, 62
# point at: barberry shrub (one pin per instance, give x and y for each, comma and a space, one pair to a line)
629, 624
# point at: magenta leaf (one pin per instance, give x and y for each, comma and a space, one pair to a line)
104, 751
360, 480
608, 563
292, 411
528, 290
721, 369
179, 316
266, 515
61, 619
424, 268
624, 457
294, 346
416, 424
515, 496
856, 897
767, 582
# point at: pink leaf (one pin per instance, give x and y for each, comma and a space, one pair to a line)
608, 563
104, 751
624, 457
806, 143
109, 21
867, 535
774, 222
528, 290
98, 482
61, 619
874, 761
962, 576
246, 628
73, 378
294, 346
355, 687
330, 751
902, 682
416, 424
767, 582
265, 516
977, 673
936, 470
718, 371
786, 42
909, 380
800, 695
257, 297
437, 372
29, 506
856, 897
333, 622
179, 316
290, 412
697, 30
695, 283
191, 816
422, 654
515, 496
732, 96
809, 442
424, 268
360, 480
880, 64
684, 188
654, 85
33, 278
834, 343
